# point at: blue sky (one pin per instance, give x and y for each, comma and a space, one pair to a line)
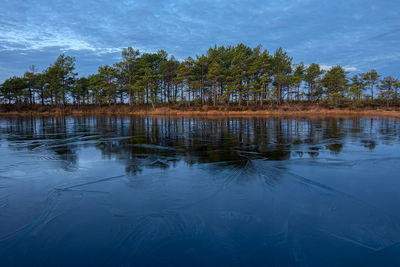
357, 34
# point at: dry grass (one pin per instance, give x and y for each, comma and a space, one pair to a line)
289, 111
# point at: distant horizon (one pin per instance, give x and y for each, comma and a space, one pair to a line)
358, 35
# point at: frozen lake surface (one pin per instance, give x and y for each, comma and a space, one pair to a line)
155, 191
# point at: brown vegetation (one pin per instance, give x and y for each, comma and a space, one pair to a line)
298, 110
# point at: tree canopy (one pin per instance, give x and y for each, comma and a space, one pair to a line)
224, 75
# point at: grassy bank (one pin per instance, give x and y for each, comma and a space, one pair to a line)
200, 111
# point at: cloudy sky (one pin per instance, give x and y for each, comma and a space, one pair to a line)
357, 34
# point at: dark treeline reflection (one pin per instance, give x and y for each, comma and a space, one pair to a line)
161, 142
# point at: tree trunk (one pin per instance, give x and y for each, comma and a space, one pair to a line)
42, 95
372, 91
215, 91
279, 93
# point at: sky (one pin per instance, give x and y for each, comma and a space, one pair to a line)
357, 34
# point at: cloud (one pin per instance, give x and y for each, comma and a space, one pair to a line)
351, 69
346, 68
30, 38
331, 32
384, 34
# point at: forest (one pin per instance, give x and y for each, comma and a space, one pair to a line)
237, 76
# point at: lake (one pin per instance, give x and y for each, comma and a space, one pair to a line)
134, 191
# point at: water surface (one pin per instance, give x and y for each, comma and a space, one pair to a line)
155, 191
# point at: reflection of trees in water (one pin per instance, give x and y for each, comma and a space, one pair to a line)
389, 129
160, 142
42, 134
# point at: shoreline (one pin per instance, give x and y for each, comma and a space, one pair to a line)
209, 112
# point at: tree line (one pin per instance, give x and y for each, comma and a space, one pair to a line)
233, 75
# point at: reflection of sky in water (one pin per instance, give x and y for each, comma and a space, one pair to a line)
239, 191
